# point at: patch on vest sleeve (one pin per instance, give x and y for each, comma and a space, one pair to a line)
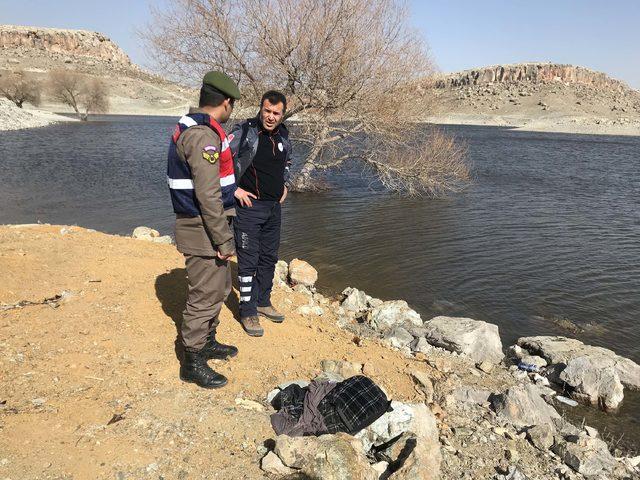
210, 154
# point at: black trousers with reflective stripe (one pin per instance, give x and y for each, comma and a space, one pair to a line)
257, 237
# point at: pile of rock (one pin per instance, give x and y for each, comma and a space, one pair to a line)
403, 328
150, 235
592, 374
519, 418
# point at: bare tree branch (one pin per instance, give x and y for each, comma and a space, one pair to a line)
354, 72
20, 88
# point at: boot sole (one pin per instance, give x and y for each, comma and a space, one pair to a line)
208, 387
226, 357
273, 319
254, 334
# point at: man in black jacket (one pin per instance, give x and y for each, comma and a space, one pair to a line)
262, 151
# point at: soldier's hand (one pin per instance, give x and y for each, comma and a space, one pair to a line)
222, 256
284, 195
244, 197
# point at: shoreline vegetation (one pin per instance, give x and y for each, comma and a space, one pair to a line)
90, 387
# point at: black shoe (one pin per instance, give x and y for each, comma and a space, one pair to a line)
214, 349
194, 369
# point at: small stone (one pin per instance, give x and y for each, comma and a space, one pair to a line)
398, 337
272, 464
540, 380
301, 273
165, 239
145, 233
485, 366
341, 367
424, 383
38, 402
500, 431
541, 436
249, 405
592, 432
512, 455
380, 467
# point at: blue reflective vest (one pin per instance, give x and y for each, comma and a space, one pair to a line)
179, 177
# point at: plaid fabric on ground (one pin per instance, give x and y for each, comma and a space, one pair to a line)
352, 405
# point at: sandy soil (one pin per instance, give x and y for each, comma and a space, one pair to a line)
108, 349
89, 385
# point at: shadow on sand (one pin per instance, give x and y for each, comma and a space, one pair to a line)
171, 290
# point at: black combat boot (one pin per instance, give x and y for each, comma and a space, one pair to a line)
217, 350
194, 369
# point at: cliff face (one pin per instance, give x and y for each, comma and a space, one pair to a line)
530, 72
75, 43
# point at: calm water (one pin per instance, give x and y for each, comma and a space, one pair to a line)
550, 228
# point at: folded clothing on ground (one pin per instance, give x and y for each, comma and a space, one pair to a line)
329, 407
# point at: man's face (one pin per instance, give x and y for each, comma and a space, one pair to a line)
271, 115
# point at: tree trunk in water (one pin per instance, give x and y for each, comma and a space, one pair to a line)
304, 181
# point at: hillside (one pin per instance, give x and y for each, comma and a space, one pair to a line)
538, 96
131, 89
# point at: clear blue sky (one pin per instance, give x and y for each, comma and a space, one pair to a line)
600, 34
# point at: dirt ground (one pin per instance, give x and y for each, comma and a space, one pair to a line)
106, 351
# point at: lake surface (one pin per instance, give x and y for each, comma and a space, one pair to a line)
547, 235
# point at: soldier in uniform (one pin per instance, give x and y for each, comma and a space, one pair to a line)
202, 184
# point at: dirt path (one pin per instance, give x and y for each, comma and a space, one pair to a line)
105, 350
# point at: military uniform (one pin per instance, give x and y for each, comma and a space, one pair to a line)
200, 238
202, 183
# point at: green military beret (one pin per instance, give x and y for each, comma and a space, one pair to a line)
222, 82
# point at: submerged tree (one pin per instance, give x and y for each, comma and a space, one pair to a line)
20, 87
82, 93
354, 72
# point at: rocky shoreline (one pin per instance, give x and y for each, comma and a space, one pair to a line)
86, 308
14, 118
525, 410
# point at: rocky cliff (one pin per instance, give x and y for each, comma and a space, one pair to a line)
537, 96
40, 51
530, 72
80, 43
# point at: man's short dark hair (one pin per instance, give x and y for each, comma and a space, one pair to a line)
275, 97
211, 96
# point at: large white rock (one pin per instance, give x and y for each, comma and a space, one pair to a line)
301, 273
596, 374
396, 312
559, 350
586, 455
329, 457
398, 337
523, 406
355, 300
593, 384
476, 339
417, 419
